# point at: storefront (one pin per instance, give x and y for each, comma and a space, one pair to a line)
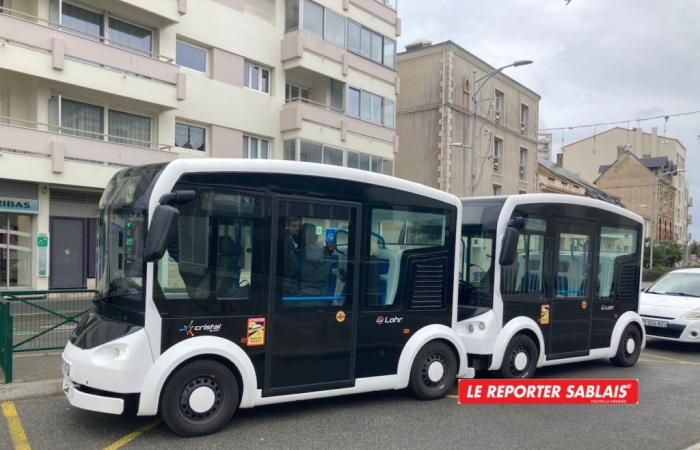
19, 206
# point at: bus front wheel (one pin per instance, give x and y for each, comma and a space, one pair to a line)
199, 398
520, 358
629, 347
434, 371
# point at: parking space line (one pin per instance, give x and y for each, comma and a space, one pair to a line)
131, 436
14, 425
674, 360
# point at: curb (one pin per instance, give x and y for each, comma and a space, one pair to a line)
32, 389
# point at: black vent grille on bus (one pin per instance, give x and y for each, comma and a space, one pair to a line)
628, 285
427, 283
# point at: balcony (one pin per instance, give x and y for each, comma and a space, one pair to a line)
296, 112
167, 11
690, 202
302, 49
690, 219
36, 47
66, 144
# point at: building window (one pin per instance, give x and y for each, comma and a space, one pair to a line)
523, 163
255, 148
354, 32
130, 129
256, 77
191, 56
389, 3
291, 15
389, 53
337, 89
15, 250
83, 21
522, 191
497, 155
353, 102
497, 189
389, 114
376, 105
289, 149
190, 136
377, 47
130, 36
326, 154
334, 30
293, 92
524, 119
313, 17
499, 107
310, 152
332, 156
81, 119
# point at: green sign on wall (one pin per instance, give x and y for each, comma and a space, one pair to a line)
42, 255
42, 241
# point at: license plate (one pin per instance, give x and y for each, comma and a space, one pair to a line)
655, 323
65, 368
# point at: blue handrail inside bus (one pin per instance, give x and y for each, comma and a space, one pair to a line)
329, 298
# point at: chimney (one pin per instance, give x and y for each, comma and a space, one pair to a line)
621, 150
637, 149
655, 141
560, 159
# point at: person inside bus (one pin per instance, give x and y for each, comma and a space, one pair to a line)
315, 266
228, 269
292, 242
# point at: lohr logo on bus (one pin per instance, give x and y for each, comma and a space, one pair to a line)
384, 320
190, 328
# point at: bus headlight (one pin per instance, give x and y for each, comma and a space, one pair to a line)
691, 315
482, 326
111, 352
470, 327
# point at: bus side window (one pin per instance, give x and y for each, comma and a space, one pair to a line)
617, 249
394, 232
526, 274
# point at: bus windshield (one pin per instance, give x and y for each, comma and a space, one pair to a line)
121, 237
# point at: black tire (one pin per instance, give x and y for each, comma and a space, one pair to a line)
624, 358
420, 382
519, 345
176, 410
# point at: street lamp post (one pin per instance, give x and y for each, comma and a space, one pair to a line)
476, 86
656, 214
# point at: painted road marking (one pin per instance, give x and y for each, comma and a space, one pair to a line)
14, 425
673, 360
131, 436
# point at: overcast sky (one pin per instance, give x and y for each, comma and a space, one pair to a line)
595, 60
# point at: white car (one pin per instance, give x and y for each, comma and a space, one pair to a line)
670, 308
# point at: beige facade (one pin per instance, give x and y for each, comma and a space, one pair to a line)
551, 182
434, 112
642, 192
88, 87
585, 157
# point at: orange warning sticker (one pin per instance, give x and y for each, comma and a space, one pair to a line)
256, 332
544, 315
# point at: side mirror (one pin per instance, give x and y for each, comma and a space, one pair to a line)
161, 231
509, 248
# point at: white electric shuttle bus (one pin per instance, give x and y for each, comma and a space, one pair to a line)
228, 284
549, 279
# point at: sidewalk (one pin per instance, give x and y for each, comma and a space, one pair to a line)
34, 375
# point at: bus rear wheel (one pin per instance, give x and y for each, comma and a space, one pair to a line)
434, 371
629, 348
200, 398
520, 358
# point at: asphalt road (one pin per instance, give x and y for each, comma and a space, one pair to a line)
667, 417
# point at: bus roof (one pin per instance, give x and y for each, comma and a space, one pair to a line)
524, 199
175, 169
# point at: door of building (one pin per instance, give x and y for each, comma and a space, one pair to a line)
67, 253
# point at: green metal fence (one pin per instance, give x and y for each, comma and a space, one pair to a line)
39, 320
6, 340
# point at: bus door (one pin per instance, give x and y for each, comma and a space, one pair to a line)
313, 310
570, 327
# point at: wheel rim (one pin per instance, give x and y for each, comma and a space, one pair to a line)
200, 398
519, 360
434, 369
630, 345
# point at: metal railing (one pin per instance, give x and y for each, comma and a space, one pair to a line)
39, 321
81, 33
86, 134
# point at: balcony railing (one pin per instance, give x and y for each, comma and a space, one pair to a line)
31, 137
93, 37
300, 109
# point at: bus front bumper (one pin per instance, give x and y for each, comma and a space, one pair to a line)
91, 402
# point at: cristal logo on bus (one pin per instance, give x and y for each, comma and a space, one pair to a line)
386, 320
190, 328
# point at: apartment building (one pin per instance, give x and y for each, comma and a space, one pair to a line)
544, 146
88, 87
552, 178
434, 115
586, 156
